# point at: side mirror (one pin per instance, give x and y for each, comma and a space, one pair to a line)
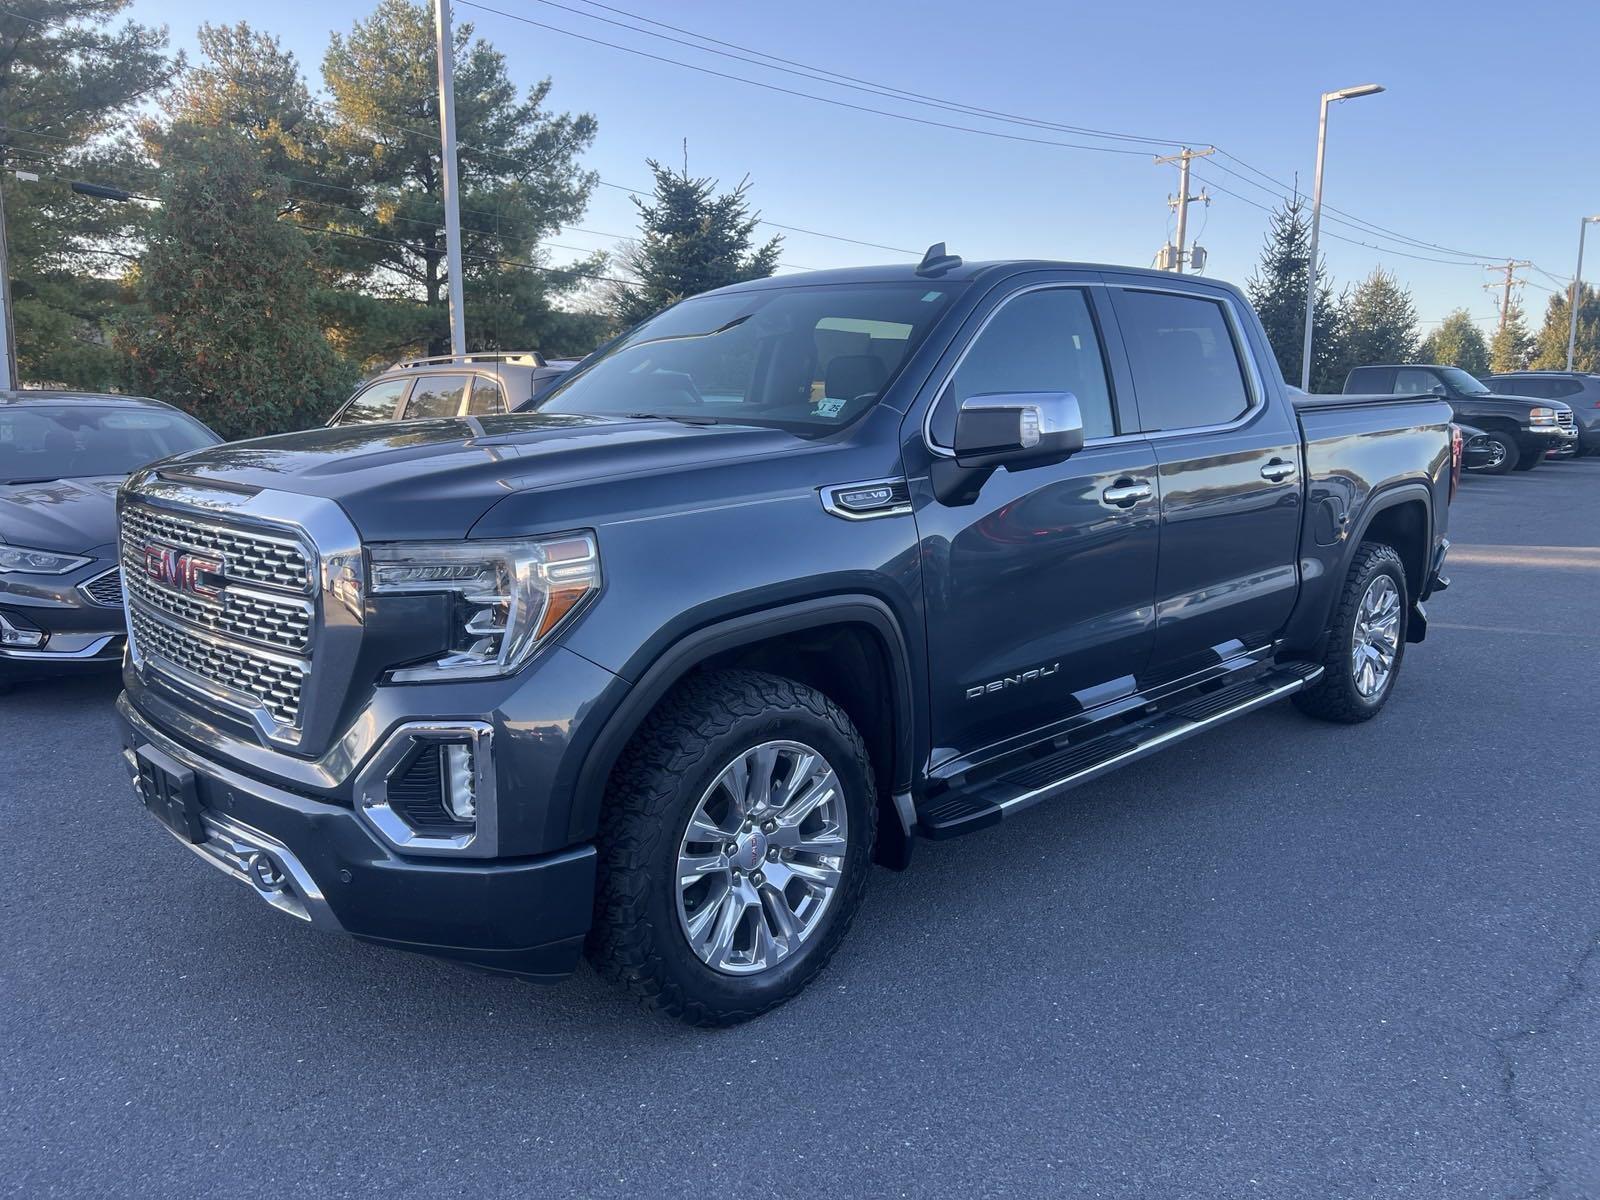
1015, 428
1438, 390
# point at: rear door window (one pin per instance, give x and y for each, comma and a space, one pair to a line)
376, 403
1187, 371
1411, 381
485, 398
436, 396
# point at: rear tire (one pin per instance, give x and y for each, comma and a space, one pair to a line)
1366, 643
1503, 454
722, 758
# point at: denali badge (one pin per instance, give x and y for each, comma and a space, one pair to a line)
1000, 685
192, 573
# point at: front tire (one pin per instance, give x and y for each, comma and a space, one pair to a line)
735, 847
1367, 642
1502, 454
1530, 457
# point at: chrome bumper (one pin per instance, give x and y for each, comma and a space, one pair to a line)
255, 859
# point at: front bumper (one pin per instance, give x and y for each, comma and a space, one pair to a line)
315, 860
78, 632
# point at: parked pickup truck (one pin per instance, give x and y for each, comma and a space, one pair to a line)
1517, 431
797, 572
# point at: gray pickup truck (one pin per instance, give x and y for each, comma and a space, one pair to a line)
797, 572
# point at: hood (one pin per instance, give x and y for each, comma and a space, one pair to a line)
69, 515
1524, 401
434, 479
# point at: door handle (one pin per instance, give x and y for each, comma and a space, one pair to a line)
1125, 493
1277, 470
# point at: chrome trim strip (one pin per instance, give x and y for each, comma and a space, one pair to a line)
1161, 742
372, 791
93, 648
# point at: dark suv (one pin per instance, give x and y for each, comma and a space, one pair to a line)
1579, 390
1517, 432
471, 385
792, 574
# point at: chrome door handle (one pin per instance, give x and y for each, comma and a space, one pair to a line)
1277, 470
1126, 495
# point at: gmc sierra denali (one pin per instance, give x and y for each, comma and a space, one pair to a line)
793, 574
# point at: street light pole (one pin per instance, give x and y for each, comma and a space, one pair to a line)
1577, 290
449, 178
1349, 93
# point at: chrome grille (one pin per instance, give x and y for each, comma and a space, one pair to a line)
105, 589
243, 640
257, 679
252, 557
275, 621
1565, 420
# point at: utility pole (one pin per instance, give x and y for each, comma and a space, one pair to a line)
1578, 290
8, 338
449, 178
1511, 268
1184, 199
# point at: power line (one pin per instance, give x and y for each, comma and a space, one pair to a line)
772, 87
833, 78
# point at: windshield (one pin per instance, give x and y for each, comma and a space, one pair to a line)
808, 359
1463, 383
74, 441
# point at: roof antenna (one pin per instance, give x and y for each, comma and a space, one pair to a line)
937, 262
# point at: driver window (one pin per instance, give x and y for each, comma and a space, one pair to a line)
1040, 341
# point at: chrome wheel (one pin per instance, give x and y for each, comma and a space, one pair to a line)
762, 857
1497, 454
1376, 640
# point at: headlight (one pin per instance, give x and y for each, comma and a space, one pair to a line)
510, 596
38, 562
1542, 416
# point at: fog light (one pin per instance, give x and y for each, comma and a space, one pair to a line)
13, 635
460, 788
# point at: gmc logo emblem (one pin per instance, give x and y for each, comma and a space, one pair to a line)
192, 573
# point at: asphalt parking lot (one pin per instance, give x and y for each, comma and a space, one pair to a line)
1288, 959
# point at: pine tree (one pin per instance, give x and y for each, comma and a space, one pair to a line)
1378, 323
1509, 349
520, 181
67, 78
1550, 348
1277, 289
228, 328
692, 240
1458, 342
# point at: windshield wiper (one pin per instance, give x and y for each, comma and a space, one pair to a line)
41, 479
681, 418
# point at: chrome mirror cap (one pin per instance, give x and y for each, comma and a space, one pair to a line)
1017, 427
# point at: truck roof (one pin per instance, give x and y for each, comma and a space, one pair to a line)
966, 272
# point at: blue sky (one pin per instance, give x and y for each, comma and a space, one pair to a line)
1487, 140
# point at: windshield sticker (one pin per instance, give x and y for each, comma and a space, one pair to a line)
829, 408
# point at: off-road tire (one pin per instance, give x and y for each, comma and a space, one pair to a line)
636, 940
1334, 696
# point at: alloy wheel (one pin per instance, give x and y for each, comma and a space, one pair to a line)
1376, 640
762, 857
